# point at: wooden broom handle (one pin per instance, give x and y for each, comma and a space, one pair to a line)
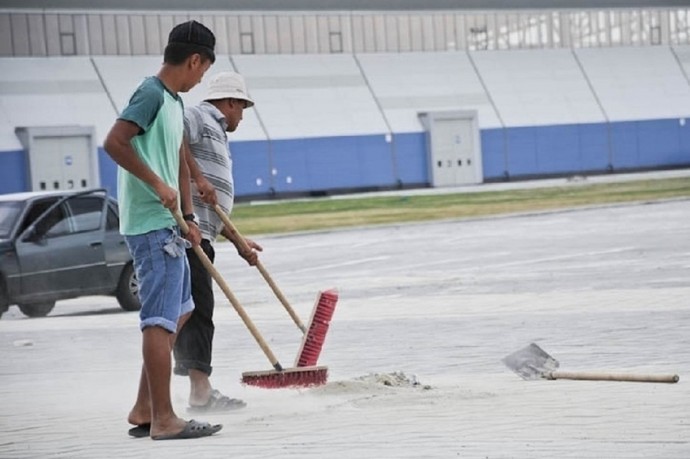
594, 376
230, 296
229, 225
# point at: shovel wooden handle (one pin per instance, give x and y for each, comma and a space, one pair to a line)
230, 296
228, 224
594, 376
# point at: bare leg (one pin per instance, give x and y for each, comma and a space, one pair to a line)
200, 387
157, 346
142, 413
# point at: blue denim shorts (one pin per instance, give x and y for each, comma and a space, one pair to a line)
162, 269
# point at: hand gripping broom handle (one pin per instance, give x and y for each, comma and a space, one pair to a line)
228, 224
231, 297
593, 376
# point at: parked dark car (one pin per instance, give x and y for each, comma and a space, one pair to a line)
60, 245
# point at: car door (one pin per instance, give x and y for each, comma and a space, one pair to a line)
63, 255
116, 251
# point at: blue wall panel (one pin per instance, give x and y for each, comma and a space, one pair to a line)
13, 172
332, 163
375, 161
594, 147
659, 143
557, 149
624, 148
251, 167
522, 151
684, 142
290, 163
108, 172
493, 153
354, 162
410, 157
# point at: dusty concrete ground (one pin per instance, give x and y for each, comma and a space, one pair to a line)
600, 289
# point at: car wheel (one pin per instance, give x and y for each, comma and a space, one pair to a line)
127, 292
37, 309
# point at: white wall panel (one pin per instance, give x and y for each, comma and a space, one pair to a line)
537, 87
95, 34
298, 34
259, 34
166, 25
5, 35
137, 34
311, 95
122, 75
52, 35
152, 35
81, 35
20, 33
403, 32
406, 84
37, 39
271, 31
682, 52
346, 31
109, 34
49, 92
218, 25
637, 83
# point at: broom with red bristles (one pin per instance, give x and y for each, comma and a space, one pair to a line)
315, 334
279, 377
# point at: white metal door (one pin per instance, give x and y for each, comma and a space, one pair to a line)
464, 160
454, 150
445, 148
61, 162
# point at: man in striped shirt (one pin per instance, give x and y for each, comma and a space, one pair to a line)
210, 164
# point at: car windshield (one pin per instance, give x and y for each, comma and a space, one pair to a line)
9, 211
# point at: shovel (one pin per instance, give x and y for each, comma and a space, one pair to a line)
533, 362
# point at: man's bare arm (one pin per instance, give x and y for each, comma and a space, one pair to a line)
185, 184
117, 145
193, 235
250, 255
194, 171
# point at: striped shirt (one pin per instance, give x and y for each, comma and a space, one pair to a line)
204, 128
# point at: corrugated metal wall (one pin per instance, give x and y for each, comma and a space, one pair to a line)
38, 33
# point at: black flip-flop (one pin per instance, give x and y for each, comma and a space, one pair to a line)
140, 431
193, 429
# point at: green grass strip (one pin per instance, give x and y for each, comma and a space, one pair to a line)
328, 213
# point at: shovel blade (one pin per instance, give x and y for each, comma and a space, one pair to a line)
531, 362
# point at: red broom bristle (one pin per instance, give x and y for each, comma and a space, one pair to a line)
288, 378
312, 342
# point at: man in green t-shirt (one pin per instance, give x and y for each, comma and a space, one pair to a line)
153, 180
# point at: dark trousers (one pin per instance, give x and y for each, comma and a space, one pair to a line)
194, 343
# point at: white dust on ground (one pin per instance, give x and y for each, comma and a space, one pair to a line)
372, 383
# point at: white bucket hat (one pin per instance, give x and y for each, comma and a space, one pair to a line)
228, 85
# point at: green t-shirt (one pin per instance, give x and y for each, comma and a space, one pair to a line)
160, 117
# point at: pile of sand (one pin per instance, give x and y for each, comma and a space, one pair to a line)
372, 383
395, 379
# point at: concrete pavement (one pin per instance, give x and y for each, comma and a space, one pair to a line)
599, 289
